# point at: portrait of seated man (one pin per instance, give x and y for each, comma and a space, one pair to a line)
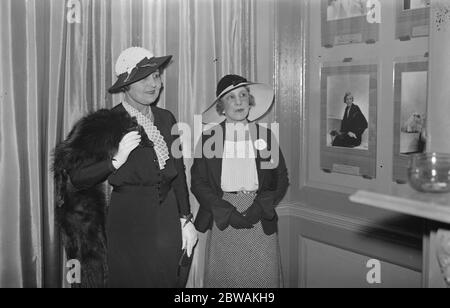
353, 125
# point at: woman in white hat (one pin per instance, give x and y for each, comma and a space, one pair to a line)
148, 222
239, 187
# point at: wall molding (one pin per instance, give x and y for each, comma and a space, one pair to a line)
352, 224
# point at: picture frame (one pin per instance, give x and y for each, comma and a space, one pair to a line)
413, 19
410, 108
357, 155
347, 24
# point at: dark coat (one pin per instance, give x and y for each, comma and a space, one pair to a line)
356, 123
206, 183
82, 163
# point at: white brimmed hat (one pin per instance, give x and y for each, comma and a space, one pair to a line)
134, 64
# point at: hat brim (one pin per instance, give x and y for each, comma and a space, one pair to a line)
264, 97
142, 72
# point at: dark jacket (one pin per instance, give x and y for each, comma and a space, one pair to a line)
355, 122
82, 164
206, 182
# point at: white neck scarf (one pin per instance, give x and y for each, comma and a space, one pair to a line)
160, 146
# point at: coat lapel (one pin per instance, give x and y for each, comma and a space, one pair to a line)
254, 131
216, 162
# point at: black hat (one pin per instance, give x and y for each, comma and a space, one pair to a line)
229, 83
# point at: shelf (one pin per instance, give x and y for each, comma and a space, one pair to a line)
408, 201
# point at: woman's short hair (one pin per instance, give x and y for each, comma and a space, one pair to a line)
125, 89
347, 94
220, 106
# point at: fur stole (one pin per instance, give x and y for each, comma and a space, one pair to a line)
81, 214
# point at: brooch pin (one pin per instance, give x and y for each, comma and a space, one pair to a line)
260, 144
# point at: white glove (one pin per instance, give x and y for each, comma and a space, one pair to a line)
190, 236
128, 143
351, 134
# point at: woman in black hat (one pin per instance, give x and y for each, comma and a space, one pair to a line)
148, 222
239, 187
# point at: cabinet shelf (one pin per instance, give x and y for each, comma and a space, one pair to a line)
408, 201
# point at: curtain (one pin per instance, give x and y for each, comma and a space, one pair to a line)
57, 61
30, 123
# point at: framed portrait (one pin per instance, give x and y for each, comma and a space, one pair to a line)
410, 113
349, 119
349, 22
413, 17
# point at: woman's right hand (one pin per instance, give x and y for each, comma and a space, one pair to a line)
238, 221
128, 143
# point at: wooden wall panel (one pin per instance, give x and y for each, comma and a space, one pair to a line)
327, 266
317, 206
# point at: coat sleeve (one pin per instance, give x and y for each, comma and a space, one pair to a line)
269, 199
360, 123
281, 174
86, 153
180, 184
91, 174
206, 195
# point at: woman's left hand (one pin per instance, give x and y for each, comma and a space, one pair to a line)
190, 236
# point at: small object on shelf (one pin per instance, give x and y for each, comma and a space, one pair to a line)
430, 172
